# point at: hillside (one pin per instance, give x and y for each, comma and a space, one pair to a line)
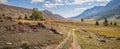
88, 12
13, 11
51, 16
110, 10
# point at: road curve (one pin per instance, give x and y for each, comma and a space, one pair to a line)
60, 46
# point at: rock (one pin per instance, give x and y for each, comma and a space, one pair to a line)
33, 26
77, 31
84, 30
1, 20
90, 37
55, 31
20, 23
41, 25
9, 43
103, 41
36, 47
117, 38
9, 18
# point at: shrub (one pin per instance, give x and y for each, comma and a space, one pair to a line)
24, 46
97, 23
36, 15
25, 17
115, 23
19, 17
3, 14
82, 20
111, 23
105, 23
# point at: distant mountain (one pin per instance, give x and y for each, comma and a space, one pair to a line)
99, 12
88, 12
14, 11
113, 3
51, 16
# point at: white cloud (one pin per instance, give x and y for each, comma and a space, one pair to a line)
37, 1
54, 3
58, 1
102, 0
79, 9
86, 1
3, 1
48, 4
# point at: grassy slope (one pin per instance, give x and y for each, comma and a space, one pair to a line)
93, 43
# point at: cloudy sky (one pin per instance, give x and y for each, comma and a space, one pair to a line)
66, 8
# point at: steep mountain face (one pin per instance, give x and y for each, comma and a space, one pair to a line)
110, 10
13, 11
88, 12
113, 3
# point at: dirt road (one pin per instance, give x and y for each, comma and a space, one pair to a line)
75, 44
60, 46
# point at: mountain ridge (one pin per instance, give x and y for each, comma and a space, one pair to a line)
14, 11
101, 12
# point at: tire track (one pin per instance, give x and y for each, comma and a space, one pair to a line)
75, 44
60, 46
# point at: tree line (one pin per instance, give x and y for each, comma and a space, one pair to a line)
105, 22
36, 15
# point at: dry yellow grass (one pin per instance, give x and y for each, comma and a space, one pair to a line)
109, 30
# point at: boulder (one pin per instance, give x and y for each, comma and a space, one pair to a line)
102, 40
55, 31
41, 25
117, 38
9, 43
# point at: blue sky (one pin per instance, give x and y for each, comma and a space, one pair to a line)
65, 8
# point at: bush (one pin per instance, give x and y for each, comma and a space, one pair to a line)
36, 15
111, 23
3, 14
97, 23
105, 23
25, 17
115, 23
19, 17
82, 20
24, 46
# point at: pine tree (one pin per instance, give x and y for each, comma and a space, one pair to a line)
3, 14
111, 23
105, 22
36, 15
25, 17
115, 23
19, 17
97, 23
82, 20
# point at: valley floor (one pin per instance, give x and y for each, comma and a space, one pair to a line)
72, 35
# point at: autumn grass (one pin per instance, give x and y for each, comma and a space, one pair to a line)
108, 31
93, 43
